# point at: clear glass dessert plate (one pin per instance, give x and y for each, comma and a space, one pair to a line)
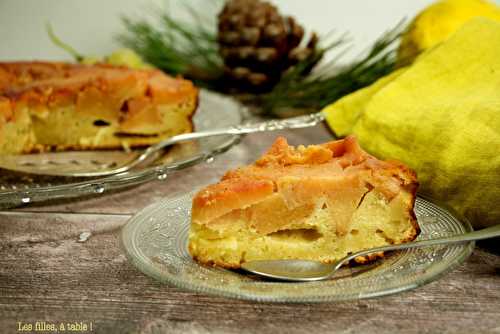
214, 111
155, 241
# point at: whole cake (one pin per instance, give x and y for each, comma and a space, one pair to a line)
319, 202
60, 106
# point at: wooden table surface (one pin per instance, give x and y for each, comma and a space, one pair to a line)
47, 275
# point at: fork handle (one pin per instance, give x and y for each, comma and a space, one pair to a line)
486, 233
272, 125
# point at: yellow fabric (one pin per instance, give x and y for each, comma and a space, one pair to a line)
439, 21
440, 116
351, 107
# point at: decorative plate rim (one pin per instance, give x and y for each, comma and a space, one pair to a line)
146, 266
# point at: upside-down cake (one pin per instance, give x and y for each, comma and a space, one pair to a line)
60, 106
319, 202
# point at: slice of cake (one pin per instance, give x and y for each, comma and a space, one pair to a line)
59, 106
319, 202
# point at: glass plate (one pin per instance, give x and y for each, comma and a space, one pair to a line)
214, 111
155, 241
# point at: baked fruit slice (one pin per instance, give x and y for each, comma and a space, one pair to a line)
45, 106
319, 202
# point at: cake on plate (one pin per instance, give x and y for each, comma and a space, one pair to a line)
59, 106
319, 202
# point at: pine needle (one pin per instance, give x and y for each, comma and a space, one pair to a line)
176, 47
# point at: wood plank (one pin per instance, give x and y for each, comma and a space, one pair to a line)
46, 274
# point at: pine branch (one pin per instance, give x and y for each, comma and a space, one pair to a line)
294, 94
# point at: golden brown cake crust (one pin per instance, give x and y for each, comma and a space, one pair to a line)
248, 185
131, 98
44, 82
295, 202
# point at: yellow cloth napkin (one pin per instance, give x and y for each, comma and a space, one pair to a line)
440, 116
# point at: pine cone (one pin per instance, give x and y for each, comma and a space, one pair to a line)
258, 44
